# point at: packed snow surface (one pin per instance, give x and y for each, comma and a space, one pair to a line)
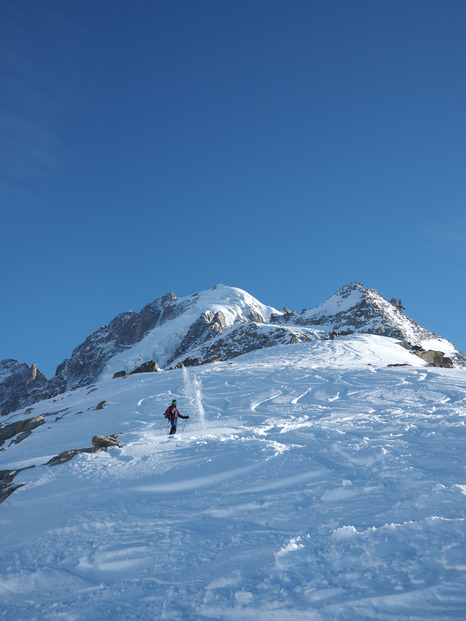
312, 482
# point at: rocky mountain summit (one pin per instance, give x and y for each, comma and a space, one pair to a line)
355, 309
213, 325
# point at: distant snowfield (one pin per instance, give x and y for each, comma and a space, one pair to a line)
312, 482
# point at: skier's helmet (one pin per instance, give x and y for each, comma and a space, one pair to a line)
174, 402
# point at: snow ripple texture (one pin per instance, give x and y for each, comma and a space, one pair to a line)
322, 485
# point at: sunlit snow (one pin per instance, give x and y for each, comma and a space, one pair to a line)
312, 481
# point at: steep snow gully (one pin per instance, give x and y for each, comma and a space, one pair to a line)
312, 482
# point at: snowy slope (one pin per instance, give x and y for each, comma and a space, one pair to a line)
356, 309
214, 325
312, 481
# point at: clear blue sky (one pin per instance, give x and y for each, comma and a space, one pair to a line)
286, 148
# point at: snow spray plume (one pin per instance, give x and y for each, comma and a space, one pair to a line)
193, 390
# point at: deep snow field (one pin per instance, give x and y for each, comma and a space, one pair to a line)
311, 482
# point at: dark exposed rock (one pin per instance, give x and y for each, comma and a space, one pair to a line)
189, 362
89, 359
172, 307
406, 345
284, 317
146, 367
5, 492
20, 385
435, 358
22, 427
65, 456
255, 316
101, 405
355, 309
205, 328
352, 307
102, 442
6, 479
139, 324
432, 357
243, 338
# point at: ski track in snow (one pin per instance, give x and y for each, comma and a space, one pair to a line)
317, 489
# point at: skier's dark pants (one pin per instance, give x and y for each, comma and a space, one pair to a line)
172, 429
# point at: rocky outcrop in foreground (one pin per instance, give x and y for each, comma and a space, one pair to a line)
6, 482
100, 443
22, 429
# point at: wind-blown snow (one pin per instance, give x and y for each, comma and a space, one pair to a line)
324, 485
193, 392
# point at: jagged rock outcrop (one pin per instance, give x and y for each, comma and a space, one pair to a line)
6, 480
243, 338
103, 442
189, 362
435, 358
139, 324
100, 443
200, 316
22, 429
120, 374
356, 309
20, 384
65, 456
88, 360
146, 367
218, 324
187, 324
205, 328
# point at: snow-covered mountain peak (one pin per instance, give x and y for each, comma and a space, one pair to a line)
354, 308
213, 325
236, 305
194, 321
343, 300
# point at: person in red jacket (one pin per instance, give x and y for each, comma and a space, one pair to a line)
173, 414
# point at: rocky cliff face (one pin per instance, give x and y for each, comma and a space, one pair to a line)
20, 384
212, 325
89, 358
356, 309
